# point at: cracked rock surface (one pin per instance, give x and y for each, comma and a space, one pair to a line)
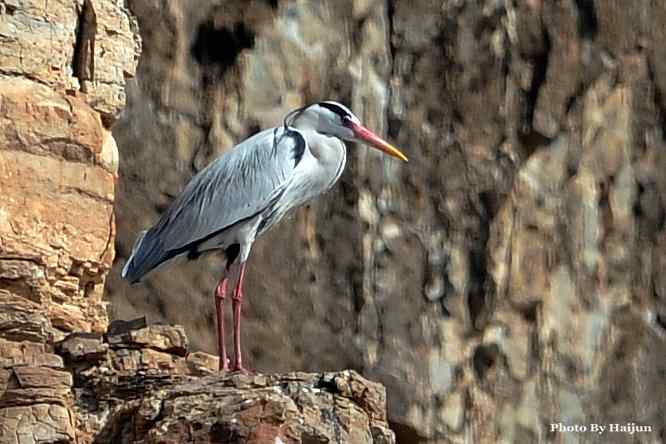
58, 161
113, 388
150, 396
153, 392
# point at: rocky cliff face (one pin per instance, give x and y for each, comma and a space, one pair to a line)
59, 160
508, 278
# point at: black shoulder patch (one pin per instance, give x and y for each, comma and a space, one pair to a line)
299, 149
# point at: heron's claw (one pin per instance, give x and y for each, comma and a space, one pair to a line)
224, 367
242, 370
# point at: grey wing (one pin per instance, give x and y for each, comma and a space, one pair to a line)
238, 185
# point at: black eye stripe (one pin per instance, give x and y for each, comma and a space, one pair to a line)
336, 109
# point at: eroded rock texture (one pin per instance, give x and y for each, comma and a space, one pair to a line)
140, 384
58, 162
508, 277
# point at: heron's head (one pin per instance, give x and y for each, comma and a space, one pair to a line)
334, 119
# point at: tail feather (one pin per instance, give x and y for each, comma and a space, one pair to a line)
148, 253
139, 262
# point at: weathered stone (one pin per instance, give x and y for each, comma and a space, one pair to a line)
292, 408
202, 364
39, 41
55, 257
82, 347
37, 423
41, 377
122, 327
23, 320
166, 338
131, 361
59, 45
13, 397
62, 64
27, 353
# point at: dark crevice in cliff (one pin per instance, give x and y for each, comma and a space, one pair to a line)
476, 300
485, 357
540, 70
356, 37
390, 13
356, 289
479, 299
83, 60
661, 321
529, 311
121, 426
217, 48
649, 210
9, 8
226, 432
393, 123
587, 19
658, 98
405, 433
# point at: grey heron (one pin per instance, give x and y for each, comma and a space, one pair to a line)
244, 192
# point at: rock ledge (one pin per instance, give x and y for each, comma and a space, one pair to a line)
139, 383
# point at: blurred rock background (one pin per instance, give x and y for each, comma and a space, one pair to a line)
507, 278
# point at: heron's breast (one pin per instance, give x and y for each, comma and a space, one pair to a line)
312, 177
328, 162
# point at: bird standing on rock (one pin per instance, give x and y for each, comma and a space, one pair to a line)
244, 192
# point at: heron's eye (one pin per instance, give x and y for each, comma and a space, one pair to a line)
346, 121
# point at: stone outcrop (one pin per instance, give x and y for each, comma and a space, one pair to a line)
72, 46
139, 383
36, 395
58, 161
508, 278
58, 164
157, 392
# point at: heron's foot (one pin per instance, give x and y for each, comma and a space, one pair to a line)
224, 365
237, 368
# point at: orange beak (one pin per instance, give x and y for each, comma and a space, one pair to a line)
372, 139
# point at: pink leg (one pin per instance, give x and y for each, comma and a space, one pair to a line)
236, 302
220, 293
